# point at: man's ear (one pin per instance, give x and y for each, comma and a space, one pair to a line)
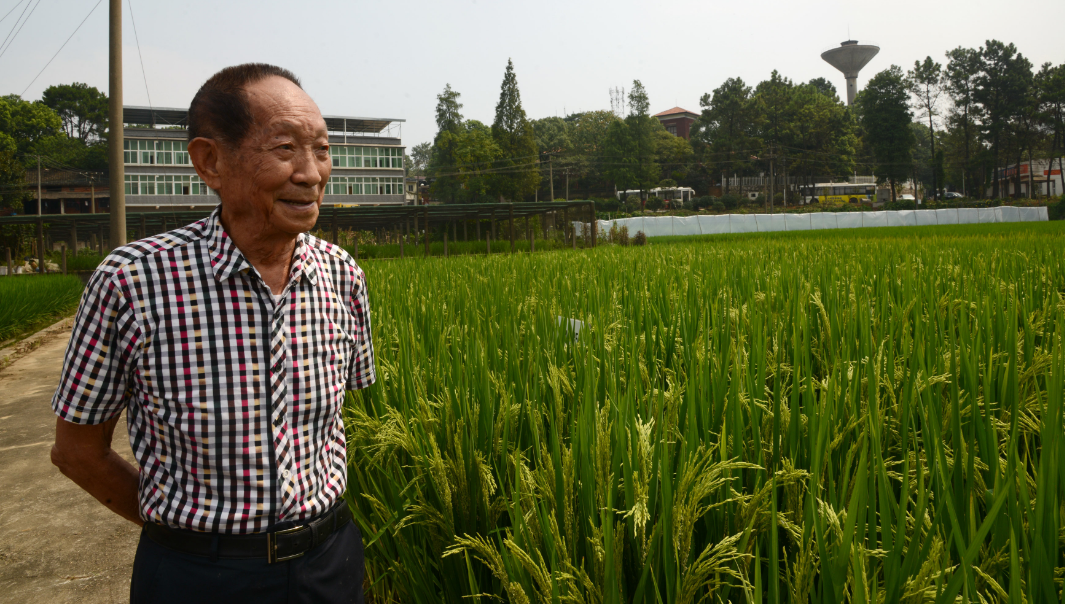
206, 158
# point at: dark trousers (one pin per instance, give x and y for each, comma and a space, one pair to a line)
331, 573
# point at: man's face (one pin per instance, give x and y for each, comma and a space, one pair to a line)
276, 178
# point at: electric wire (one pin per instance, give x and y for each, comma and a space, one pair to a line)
63, 46
9, 40
4, 18
136, 37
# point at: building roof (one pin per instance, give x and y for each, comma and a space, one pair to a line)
169, 116
677, 111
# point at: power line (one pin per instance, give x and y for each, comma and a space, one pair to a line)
144, 75
12, 38
63, 46
4, 18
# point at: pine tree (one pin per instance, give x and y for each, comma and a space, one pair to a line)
885, 118
641, 136
443, 157
516, 173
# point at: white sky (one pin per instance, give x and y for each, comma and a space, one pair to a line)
390, 58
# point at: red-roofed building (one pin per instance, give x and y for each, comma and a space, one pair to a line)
678, 121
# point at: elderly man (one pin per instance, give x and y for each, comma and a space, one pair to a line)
230, 343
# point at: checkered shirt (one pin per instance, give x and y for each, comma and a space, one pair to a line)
176, 329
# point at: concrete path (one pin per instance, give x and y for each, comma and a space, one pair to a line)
57, 543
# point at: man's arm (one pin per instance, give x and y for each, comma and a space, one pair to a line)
83, 454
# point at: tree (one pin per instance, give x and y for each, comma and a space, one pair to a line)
1005, 78
82, 108
963, 68
885, 120
25, 125
725, 127
824, 138
13, 192
673, 154
620, 156
589, 139
925, 82
824, 87
641, 136
553, 141
419, 158
1051, 85
516, 172
449, 131
773, 106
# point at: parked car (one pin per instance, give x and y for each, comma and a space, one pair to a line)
952, 195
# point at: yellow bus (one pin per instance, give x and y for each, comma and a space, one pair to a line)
838, 192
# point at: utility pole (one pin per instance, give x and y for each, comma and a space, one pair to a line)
551, 177
40, 220
92, 195
772, 182
115, 135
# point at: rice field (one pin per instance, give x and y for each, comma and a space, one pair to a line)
30, 302
812, 418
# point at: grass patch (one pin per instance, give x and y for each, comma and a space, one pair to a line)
30, 302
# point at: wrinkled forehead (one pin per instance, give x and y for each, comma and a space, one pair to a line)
279, 106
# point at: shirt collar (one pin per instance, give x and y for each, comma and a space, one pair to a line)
227, 259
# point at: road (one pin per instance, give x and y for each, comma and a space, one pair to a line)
57, 544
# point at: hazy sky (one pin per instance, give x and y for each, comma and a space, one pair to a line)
391, 58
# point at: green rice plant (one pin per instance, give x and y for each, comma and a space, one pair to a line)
29, 302
810, 418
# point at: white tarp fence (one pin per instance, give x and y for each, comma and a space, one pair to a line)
661, 226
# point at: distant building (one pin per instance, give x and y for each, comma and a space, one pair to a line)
367, 156
1046, 179
67, 192
417, 191
678, 121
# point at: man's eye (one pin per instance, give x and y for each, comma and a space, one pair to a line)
286, 147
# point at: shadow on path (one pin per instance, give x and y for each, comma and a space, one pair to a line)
57, 543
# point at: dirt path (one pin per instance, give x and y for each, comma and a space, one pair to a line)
57, 544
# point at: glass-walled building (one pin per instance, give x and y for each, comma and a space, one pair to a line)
367, 156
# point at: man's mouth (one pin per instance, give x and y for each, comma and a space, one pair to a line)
298, 203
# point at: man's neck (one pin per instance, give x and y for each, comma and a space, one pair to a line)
269, 251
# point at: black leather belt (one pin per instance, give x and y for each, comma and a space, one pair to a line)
276, 546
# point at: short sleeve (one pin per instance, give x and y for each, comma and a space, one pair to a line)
97, 365
362, 372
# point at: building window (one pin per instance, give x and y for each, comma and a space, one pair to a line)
165, 184
150, 153
349, 156
672, 129
364, 185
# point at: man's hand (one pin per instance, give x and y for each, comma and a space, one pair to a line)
84, 455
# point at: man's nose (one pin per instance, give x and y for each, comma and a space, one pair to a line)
306, 169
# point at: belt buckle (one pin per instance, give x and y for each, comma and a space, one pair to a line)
271, 545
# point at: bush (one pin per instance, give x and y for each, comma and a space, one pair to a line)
760, 200
731, 201
640, 238
607, 205
653, 203
699, 203
718, 206
632, 204
623, 236
1056, 211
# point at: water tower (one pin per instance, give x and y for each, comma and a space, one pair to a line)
849, 58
